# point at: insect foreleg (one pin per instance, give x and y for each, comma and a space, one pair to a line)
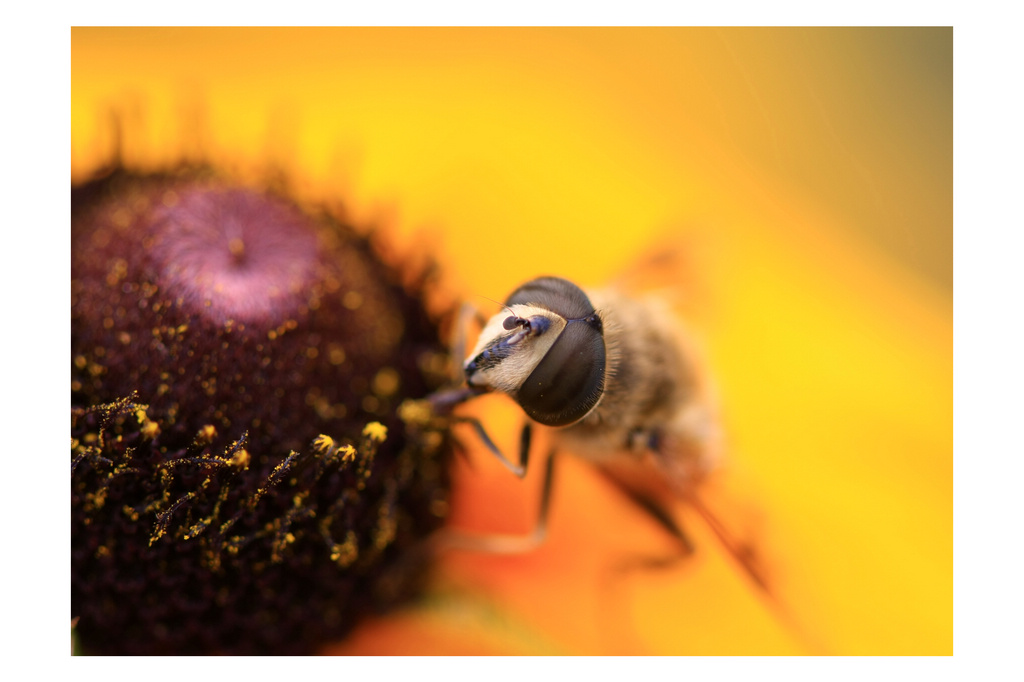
452, 538
524, 445
467, 311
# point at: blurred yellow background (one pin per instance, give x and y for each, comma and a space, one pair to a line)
805, 174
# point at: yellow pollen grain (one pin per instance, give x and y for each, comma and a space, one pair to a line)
150, 430
348, 453
323, 407
335, 354
141, 203
386, 382
375, 431
100, 238
118, 271
122, 217
240, 459
414, 412
370, 403
345, 553
323, 443
312, 352
432, 441
352, 300
206, 434
237, 247
385, 532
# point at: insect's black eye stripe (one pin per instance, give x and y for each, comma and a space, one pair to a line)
569, 380
556, 294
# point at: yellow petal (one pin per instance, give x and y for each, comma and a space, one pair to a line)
807, 175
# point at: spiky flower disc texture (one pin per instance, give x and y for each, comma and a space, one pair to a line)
240, 483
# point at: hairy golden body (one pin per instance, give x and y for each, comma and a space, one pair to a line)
656, 397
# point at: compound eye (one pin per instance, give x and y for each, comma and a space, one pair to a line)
511, 322
569, 381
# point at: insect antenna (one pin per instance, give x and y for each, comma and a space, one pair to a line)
510, 311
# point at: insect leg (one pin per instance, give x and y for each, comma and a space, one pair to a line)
743, 552
524, 445
653, 508
451, 538
458, 344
